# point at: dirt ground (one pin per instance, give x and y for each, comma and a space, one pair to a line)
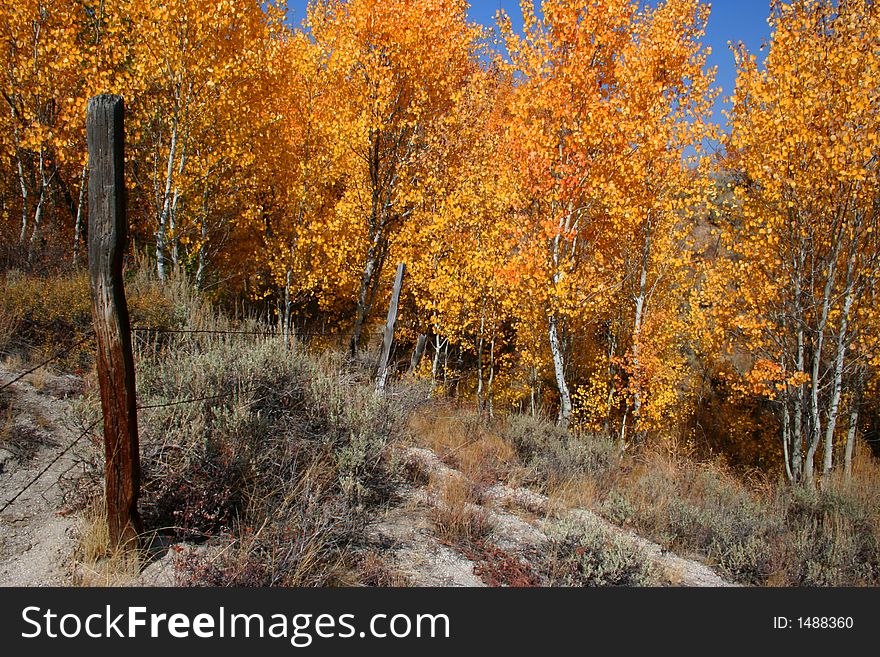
38, 534
36, 530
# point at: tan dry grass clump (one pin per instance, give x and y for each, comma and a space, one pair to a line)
465, 441
458, 516
94, 563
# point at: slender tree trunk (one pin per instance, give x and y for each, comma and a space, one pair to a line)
556, 350
77, 227
438, 347
559, 372
533, 382
480, 359
800, 399
839, 357
166, 202
390, 323
287, 304
172, 215
639, 319
797, 442
200, 271
22, 181
815, 409
41, 204
786, 440
490, 391
850, 440
38, 218
609, 400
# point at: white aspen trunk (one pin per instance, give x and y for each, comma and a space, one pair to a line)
798, 438
77, 227
815, 419
559, 372
850, 440
286, 327
553, 332
38, 217
172, 215
837, 386
166, 203
22, 181
438, 347
480, 358
797, 445
639, 318
533, 380
24, 202
491, 376
172, 229
38, 212
815, 414
786, 440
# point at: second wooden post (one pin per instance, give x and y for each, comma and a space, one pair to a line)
390, 322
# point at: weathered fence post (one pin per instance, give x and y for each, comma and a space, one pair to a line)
418, 352
108, 231
388, 338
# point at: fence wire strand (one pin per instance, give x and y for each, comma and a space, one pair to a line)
86, 432
51, 359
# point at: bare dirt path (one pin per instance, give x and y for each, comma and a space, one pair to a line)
36, 424
517, 515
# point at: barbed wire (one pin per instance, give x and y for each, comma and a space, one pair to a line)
149, 329
194, 399
267, 333
86, 432
51, 359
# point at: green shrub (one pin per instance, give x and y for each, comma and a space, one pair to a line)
556, 455
585, 554
273, 453
833, 541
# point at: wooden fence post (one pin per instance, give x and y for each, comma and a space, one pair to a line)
390, 322
108, 231
418, 352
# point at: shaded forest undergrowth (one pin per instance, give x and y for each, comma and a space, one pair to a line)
267, 464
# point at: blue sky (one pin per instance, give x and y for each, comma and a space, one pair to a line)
730, 20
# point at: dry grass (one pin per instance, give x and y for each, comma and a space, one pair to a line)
465, 441
10, 321
282, 465
95, 564
458, 517
575, 492
374, 570
753, 529
39, 377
